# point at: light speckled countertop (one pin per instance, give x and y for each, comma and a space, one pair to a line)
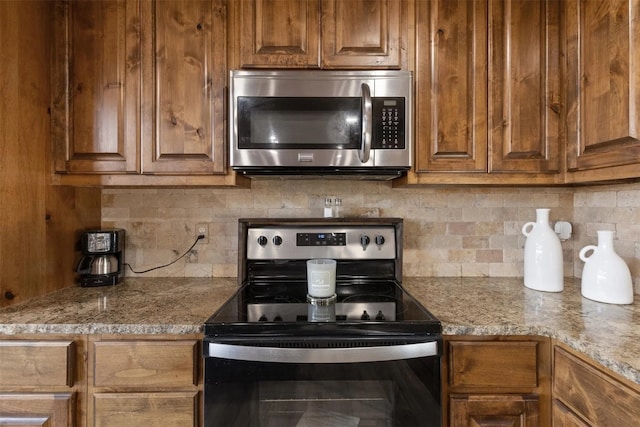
609, 334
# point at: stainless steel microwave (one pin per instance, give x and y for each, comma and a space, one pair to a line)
321, 123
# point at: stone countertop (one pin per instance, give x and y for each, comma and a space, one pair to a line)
137, 306
609, 334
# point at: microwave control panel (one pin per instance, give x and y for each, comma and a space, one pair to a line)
388, 123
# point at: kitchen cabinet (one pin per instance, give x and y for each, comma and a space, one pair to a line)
144, 380
328, 34
585, 394
496, 381
602, 89
41, 381
487, 92
96, 82
138, 93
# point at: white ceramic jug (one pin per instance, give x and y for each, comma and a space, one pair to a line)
543, 265
605, 276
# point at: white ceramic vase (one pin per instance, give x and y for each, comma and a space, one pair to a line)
543, 265
605, 276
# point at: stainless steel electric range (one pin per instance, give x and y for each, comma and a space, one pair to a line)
368, 356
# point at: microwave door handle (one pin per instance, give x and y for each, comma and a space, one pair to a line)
367, 118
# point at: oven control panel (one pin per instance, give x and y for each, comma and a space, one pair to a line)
337, 242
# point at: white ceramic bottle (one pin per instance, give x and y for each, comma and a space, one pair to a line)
605, 276
543, 265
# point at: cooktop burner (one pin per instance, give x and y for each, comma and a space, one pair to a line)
272, 270
382, 307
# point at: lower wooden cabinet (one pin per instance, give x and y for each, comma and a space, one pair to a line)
37, 409
144, 381
585, 394
41, 381
176, 409
494, 410
489, 381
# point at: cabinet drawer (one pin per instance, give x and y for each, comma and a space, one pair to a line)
175, 409
36, 363
493, 364
592, 394
145, 363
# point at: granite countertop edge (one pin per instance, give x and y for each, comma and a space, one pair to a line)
465, 306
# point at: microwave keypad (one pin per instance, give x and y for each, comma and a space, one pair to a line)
388, 120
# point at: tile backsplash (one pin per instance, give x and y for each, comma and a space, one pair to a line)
449, 231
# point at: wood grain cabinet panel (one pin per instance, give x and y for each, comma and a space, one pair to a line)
591, 394
280, 33
184, 86
145, 364
41, 409
488, 92
361, 33
490, 411
563, 417
497, 381
96, 80
602, 43
36, 364
175, 409
327, 34
524, 86
451, 86
493, 364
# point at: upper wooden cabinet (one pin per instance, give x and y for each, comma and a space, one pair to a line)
96, 82
138, 92
487, 92
602, 43
184, 87
318, 33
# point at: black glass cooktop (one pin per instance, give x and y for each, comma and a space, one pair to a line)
284, 308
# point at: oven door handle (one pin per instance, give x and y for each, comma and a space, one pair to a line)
323, 355
367, 125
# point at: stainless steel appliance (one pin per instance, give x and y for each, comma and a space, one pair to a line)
367, 356
102, 261
321, 123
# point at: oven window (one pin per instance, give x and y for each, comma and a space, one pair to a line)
289, 122
376, 394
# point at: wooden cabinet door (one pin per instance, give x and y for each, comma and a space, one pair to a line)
602, 83
496, 410
96, 86
362, 33
451, 86
276, 33
37, 409
524, 86
184, 87
315, 34
175, 409
563, 417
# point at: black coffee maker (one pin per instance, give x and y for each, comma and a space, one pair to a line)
102, 261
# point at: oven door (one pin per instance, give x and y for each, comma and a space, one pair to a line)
347, 385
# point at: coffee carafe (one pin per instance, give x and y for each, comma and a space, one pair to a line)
102, 261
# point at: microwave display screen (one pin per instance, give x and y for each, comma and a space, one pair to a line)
290, 122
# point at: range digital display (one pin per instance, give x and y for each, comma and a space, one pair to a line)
321, 239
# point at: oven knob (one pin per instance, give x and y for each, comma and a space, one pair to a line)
364, 241
262, 241
277, 240
278, 318
379, 240
262, 318
365, 316
380, 316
